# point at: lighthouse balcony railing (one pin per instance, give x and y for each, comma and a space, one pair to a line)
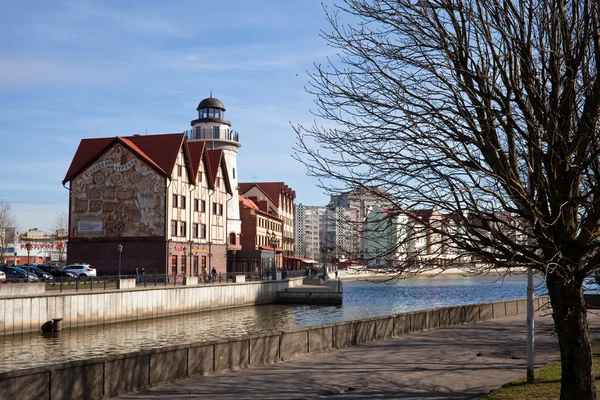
215, 134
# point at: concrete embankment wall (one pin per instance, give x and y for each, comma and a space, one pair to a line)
105, 377
28, 312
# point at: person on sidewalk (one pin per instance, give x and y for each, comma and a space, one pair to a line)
213, 274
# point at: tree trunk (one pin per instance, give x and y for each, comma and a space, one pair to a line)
570, 321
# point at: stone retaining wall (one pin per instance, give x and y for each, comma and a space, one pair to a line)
27, 312
105, 377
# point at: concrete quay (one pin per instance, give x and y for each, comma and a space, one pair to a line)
460, 362
313, 291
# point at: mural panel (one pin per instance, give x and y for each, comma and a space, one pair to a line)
117, 196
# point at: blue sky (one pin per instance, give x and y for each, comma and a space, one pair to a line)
79, 69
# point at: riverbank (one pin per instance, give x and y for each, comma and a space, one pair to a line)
455, 362
364, 273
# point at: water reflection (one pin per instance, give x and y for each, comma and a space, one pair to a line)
362, 299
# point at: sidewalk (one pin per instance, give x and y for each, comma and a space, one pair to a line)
451, 363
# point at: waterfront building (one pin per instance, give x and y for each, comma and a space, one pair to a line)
396, 237
161, 197
308, 222
212, 129
262, 235
277, 199
340, 234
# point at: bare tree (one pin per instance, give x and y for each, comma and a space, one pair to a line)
487, 110
61, 227
7, 227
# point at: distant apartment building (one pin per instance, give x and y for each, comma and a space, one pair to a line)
308, 225
340, 233
395, 237
277, 199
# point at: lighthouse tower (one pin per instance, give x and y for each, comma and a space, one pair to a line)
212, 128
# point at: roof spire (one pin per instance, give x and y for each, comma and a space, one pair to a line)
211, 93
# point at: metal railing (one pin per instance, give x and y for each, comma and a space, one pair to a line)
109, 282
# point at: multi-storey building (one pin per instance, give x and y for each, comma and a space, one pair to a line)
262, 235
340, 234
277, 199
163, 198
308, 222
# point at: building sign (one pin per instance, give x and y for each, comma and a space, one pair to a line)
41, 246
125, 167
96, 167
89, 226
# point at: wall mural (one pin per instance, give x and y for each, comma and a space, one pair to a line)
118, 195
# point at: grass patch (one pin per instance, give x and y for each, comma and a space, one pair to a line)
547, 382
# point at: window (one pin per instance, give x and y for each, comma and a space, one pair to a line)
182, 228
217, 113
203, 262
203, 206
183, 264
173, 228
195, 204
215, 132
175, 200
203, 231
233, 173
195, 230
218, 182
195, 265
232, 238
179, 170
174, 264
220, 209
182, 202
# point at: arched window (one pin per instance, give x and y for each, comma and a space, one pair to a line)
232, 238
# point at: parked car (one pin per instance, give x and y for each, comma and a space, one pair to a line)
42, 275
57, 272
82, 270
2, 277
16, 274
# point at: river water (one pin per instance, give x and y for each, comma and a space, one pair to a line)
362, 299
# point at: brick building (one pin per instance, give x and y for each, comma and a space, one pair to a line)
162, 197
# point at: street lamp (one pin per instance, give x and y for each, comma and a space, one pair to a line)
273, 242
28, 247
120, 250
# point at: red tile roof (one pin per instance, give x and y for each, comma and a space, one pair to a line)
215, 159
270, 189
246, 202
198, 155
159, 151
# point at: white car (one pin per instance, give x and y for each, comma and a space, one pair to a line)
2, 276
81, 270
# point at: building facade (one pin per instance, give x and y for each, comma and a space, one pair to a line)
161, 197
308, 221
277, 199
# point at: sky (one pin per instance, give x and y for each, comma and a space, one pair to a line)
79, 69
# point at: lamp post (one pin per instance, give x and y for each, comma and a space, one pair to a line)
15, 260
120, 250
273, 240
28, 247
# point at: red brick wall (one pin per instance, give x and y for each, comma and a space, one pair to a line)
103, 255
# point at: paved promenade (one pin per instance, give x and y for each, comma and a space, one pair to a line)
461, 362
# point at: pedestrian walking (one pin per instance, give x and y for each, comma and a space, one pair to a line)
213, 273
143, 276
137, 276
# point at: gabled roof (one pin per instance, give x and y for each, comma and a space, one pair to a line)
198, 155
246, 202
270, 189
159, 151
215, 159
